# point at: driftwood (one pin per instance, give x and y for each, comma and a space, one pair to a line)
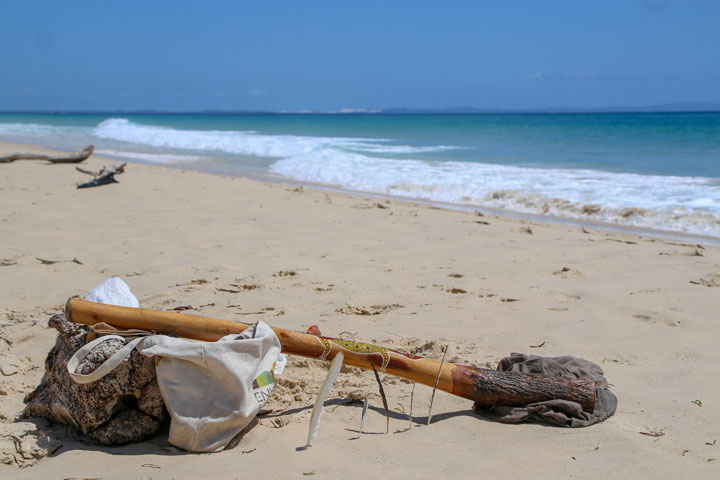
104, 176
125, 406
45, 261
72, 158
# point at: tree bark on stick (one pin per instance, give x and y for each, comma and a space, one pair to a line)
72, 158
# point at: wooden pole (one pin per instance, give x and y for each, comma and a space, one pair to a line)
487, 387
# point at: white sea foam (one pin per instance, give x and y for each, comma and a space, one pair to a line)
150, 156
247, 142
370, 147
685, 204
41, 130
237, 142
688, 204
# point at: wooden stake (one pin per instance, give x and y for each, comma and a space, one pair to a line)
412, 395
363, 417
437, 380
384, 399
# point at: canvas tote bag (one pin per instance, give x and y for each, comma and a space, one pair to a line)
212, 389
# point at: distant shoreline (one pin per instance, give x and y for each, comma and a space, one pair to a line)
549, 219
584, 167
659, 109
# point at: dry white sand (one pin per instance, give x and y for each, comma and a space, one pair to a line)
646, 310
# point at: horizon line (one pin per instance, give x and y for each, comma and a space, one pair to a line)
679, 107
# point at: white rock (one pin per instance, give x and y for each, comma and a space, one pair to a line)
113, 291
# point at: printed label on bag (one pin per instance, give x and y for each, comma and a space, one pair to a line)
263, 385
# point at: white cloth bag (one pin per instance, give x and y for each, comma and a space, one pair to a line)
213, 390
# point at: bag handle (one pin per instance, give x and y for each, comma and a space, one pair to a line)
101, 329
107, 366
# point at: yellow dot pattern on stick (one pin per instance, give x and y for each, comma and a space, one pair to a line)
355, 347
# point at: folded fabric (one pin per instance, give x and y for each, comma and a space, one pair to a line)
113, 291
557, 412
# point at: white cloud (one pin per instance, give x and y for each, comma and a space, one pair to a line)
557, 75
257, 92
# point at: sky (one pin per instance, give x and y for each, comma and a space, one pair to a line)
330, 55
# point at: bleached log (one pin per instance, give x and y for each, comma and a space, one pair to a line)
104, 176
72, 158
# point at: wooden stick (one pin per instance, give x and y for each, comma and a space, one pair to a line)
412, 396
363, 417
71, 158
384, 400
437, 379
486, 387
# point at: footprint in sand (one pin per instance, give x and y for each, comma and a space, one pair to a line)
455, 290
562, 299
424, 348
370, 310
713, 280
567, 272
619, 359
657, 319
238, 287
445, 288
194, 285
695, 252
324, 288
285, 273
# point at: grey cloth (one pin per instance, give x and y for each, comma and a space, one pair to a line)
557, 412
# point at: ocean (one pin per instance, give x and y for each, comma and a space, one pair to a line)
650, 170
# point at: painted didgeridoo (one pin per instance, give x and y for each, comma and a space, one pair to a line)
487, 387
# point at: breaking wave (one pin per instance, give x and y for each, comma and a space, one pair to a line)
245, 142
378, 165
687, 204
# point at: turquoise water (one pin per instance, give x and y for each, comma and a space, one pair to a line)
662, 168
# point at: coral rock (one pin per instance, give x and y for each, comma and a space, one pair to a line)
124, 406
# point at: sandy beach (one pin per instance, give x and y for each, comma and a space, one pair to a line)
405, 275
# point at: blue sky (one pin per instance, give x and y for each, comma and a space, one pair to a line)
327, 55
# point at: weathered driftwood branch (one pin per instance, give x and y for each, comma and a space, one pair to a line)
45, 261
72, 158
104, 176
